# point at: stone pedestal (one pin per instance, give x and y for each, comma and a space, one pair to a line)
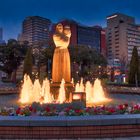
69, 88
79, 97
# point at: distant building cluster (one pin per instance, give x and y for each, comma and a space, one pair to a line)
38, 30
115, 42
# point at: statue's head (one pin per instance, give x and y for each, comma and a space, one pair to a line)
59, 28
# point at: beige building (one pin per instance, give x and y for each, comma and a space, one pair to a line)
122, 35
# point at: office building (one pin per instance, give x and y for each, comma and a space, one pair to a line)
89, 36
35, 30
122, 35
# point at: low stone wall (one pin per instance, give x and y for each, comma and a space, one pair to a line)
97, 126
8, 90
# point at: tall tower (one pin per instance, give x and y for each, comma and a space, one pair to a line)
122, 35
35, 30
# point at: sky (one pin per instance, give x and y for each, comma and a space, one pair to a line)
86, 12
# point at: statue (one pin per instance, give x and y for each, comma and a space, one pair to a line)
61, 58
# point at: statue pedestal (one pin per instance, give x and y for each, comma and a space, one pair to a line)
69, 88
58, 84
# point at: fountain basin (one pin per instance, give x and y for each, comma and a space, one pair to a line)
119, 98
70, 127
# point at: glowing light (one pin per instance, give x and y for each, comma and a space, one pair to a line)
34, 92
76, 97
62, 96
112, 17
88, 90
46, 92
80, 87
26, 90
98, 92
94, 94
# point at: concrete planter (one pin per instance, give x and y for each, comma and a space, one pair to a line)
98, 126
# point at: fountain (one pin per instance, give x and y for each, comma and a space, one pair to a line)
88, 93
61, 72
26, 90
48, 98
35, 92
95, 93
62, 96
98, 92
80, 87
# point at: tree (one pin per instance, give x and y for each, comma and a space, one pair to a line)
11, 56
134, 68
87, 58
86, 55
28, 63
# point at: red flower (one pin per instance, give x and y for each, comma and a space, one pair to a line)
136, 107
96, 111
103, 107
111, 110
77, 110
18, 111
87, 109
121, 107
126, 105
31, 108
48, 109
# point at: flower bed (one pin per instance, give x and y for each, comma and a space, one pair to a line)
52, 110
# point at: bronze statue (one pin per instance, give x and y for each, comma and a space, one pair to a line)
61, 58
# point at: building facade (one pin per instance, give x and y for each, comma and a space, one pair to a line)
90, 36
103, 43
35, 30
122, 34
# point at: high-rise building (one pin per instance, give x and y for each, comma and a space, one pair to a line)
35, 30
122, 35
